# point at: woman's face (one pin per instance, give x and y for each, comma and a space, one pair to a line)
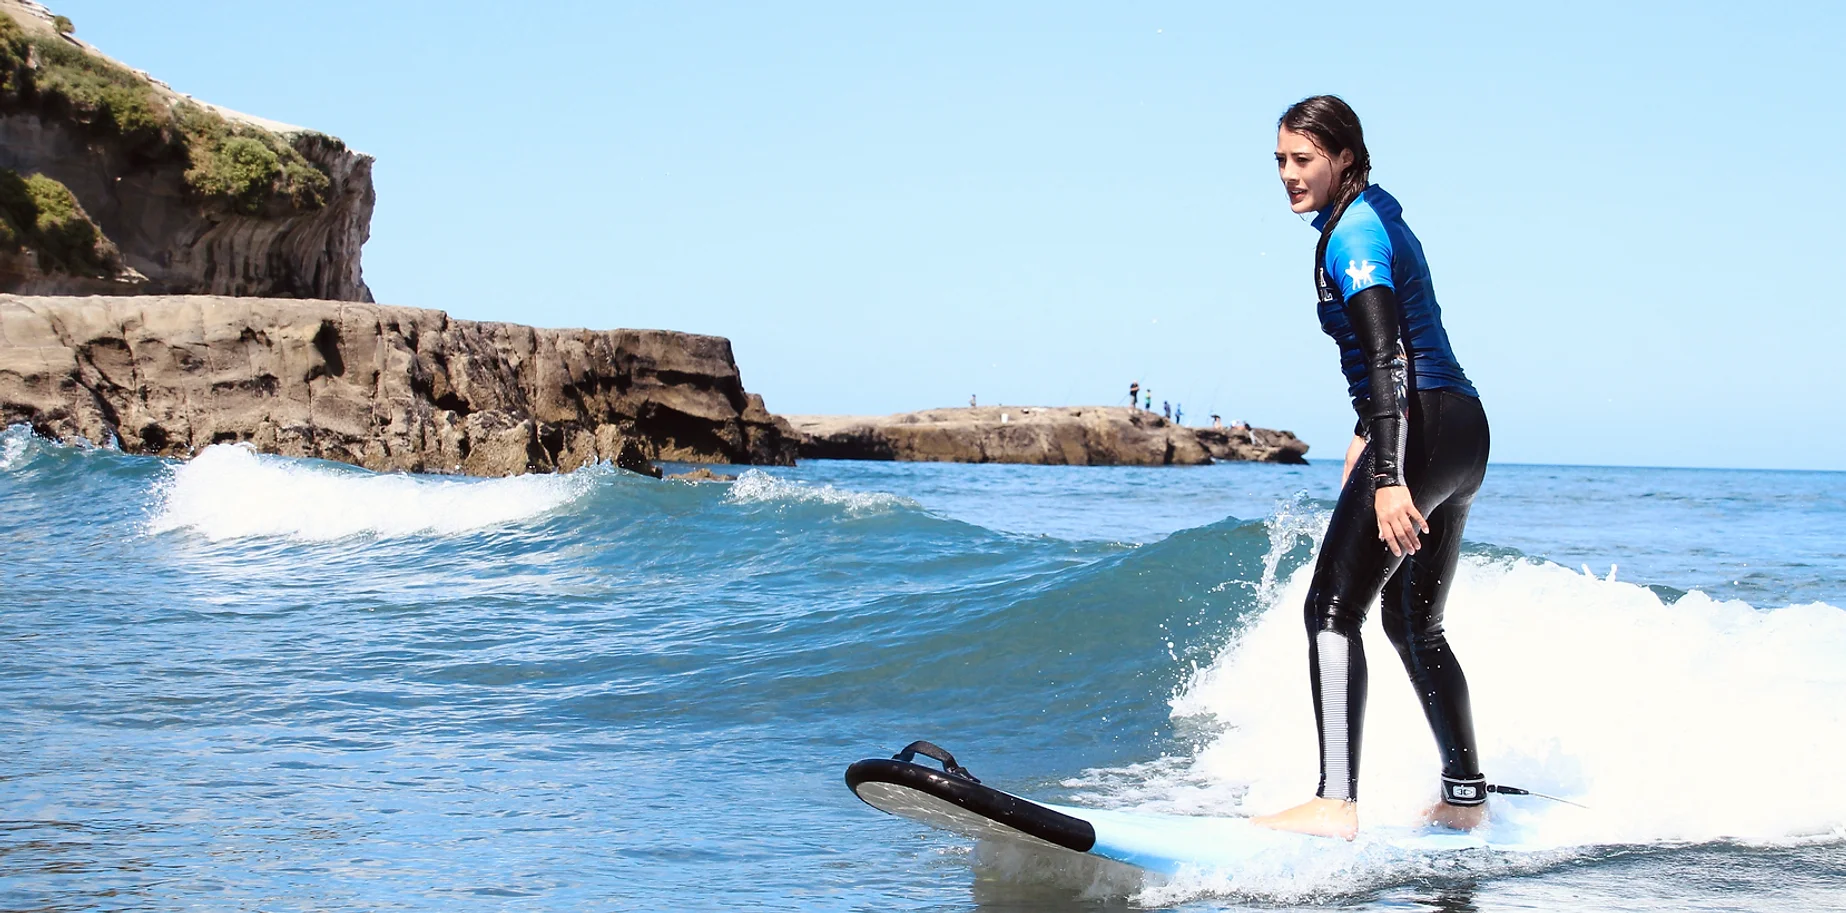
1308, 174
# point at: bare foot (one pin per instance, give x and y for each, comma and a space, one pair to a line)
1320, 817
1455, 817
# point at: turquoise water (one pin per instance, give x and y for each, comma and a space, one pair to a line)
251, 683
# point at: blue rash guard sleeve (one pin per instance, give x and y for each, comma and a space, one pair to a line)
1358, 258
1359, 253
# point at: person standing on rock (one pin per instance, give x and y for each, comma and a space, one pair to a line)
1417, 458
1179, 414
1134, 395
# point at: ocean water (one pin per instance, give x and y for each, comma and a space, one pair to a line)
245, 682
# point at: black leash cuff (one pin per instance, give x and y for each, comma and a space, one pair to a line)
1470, 791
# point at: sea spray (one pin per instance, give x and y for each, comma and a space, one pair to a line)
15, 447
1661, 716
1666, 720
230, 491
1693, 721
758, 487
1294, 529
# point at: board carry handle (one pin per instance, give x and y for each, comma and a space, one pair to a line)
932, 750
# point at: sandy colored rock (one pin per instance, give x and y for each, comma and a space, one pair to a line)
702, 474
387, 388
1047, 435
1260, 445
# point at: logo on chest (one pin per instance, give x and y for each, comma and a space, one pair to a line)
1324, 285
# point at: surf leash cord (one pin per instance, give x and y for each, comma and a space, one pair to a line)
1516, 791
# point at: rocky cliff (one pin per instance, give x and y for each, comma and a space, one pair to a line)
387, 388
1065, 436
1260, 445
166, 194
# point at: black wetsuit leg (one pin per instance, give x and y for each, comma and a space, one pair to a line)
1446, 459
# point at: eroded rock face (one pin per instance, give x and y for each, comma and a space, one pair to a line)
1063, 436
1261, 445
171, 240
174, 245
387, 388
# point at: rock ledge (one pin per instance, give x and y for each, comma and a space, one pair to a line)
1045, 435
387, 388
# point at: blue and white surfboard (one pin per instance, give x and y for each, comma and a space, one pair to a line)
952, 799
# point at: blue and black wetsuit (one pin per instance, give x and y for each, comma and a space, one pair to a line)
1424, 428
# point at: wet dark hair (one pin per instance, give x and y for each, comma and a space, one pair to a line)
1330, 122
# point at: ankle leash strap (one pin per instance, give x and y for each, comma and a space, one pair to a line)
1470, 791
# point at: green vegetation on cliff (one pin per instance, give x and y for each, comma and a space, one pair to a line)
41, 214
247, 167
239, 167
93, 92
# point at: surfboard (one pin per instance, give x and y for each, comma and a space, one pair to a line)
954, 800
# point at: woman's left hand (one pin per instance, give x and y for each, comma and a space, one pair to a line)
1398, 520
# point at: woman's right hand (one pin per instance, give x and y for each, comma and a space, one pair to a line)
1399, 521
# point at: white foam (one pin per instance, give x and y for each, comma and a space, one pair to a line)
15, 442
230, 491
1699, 721
758, 487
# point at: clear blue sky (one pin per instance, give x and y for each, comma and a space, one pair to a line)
1632, 213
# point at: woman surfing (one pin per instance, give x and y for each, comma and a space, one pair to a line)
1417, 458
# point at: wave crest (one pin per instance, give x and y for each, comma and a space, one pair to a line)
15, 447
229, 491
1690, 720
758, 487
